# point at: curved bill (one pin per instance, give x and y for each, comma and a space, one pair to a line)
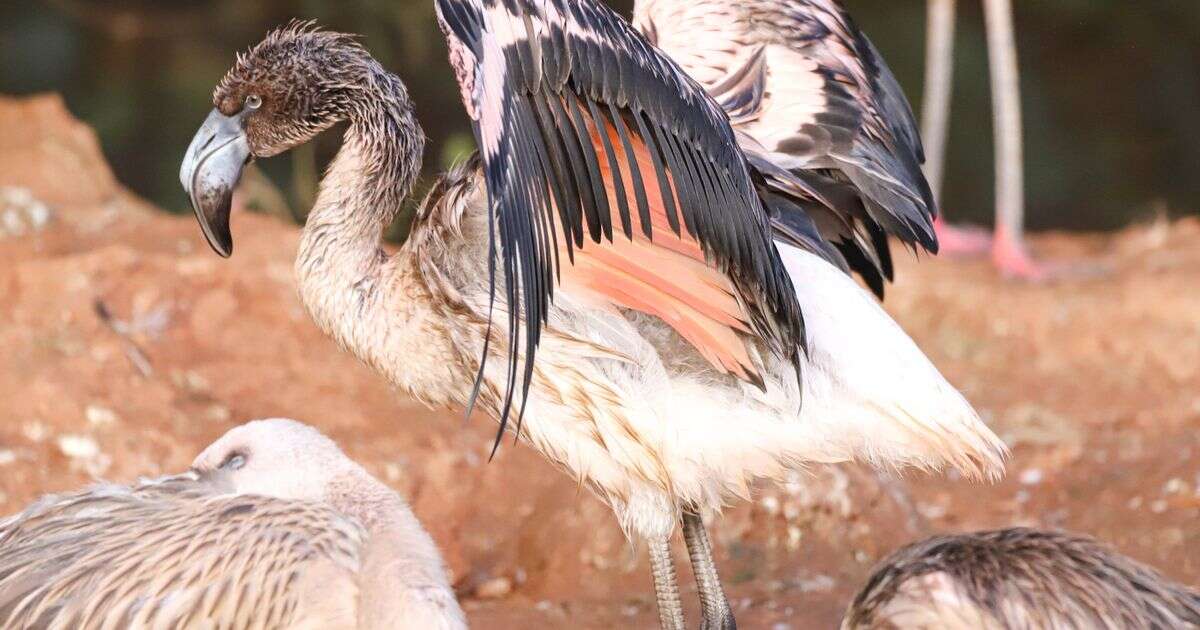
211, 169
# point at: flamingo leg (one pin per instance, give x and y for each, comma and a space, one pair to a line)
1008, 249
666, 585
939, 83
1012, 258
717, 614
935, 124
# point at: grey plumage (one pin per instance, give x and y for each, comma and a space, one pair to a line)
1018, 579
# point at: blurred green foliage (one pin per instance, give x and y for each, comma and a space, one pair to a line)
1111, 90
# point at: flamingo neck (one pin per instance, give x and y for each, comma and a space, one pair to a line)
340, 259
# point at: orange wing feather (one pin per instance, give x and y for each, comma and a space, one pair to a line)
667, 277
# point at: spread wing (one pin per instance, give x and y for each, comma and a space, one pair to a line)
612, 174
812, 95
177, 554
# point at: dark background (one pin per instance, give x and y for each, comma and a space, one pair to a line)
1111, 90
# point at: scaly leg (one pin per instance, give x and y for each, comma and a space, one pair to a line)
717, 613
666, 585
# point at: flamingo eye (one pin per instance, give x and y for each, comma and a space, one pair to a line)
234, 462
253, 101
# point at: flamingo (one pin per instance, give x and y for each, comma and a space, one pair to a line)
272, 527
613, 278
1009, 253
1018, 578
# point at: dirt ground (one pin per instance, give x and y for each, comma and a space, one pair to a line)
126, 346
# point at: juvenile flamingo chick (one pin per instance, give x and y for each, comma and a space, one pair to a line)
273, 527
1019, 578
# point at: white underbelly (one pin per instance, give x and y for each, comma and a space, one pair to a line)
676, 432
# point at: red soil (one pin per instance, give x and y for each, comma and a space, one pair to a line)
1094, 381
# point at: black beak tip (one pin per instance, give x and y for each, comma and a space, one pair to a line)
215, 222
224, 250
221, 240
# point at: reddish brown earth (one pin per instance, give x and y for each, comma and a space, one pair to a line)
1094, 381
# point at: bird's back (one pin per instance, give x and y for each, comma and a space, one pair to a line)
178, 553
1019, 578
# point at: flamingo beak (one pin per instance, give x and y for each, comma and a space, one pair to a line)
210, 172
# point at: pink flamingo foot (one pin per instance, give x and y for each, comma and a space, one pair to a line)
954, 240
1012, 259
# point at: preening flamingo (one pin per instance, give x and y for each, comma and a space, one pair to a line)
273, 527
673, 318
1016, 578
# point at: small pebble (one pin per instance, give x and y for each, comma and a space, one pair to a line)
21, 213
794, 534
35, 431
194, 382
78, 446
817, 584
99, 416
931, 511
392, 472
1175, 485
11, 224
494, 588
218, 413
1031, 476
